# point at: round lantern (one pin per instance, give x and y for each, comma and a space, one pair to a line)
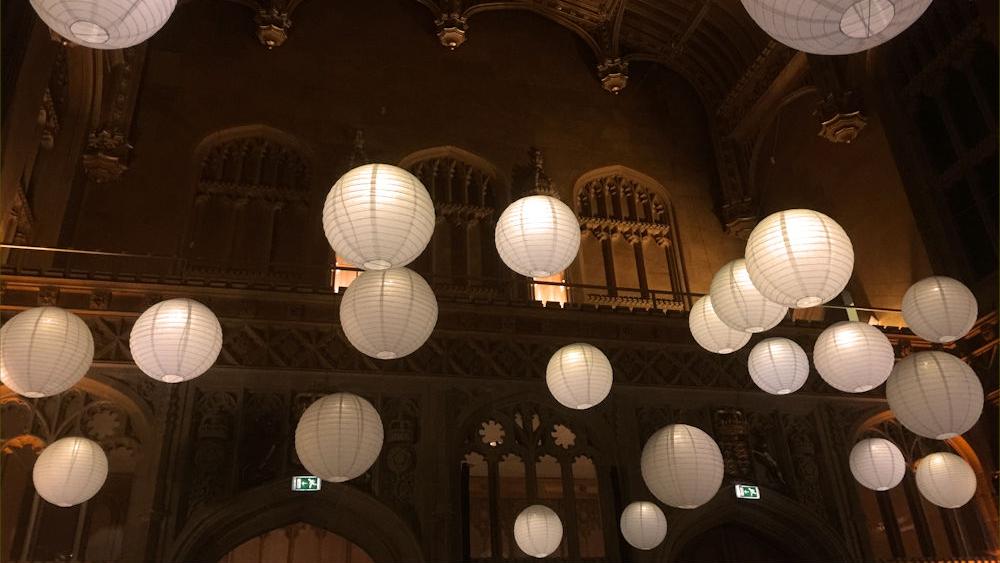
778, 366
940, 309
643, 525
946, 480
799, 258
339, 437
388, 314
934, 394
682, 466
538, 531
44, 351
537, 236
738, 303
579, 376
378, 216
853, 356
70, 471
710, 332
176, 340
877, 464
834, 27
105, 24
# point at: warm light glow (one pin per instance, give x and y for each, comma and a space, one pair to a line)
853, 356
70, 471
342, 278
738, 303
778, 366
710, 332
176, 340
579, 376
388, 314
537, 236
546, 293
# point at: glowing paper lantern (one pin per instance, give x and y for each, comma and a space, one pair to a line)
877, 464
946, 480
738, 303
378, 216
44, 351
778, 366
538, 531
853, 356
105, 24
537, 236
940, 309
643, 525
934, 394
339, 437
70, 471
579, 376
682, 466
388, 314
176, 340
710, 332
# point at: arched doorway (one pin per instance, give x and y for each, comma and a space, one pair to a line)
734, 542
297, 543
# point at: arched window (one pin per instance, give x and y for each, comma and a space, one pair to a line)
299, 543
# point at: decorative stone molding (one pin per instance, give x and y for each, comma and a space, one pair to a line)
106, 155
452, 27
633, 231
843, 127
635, 303
48, 120
272, 26
539, 182
613, 74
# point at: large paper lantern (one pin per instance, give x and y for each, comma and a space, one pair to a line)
853, 356
778, 366
105, 24
176, 340
44, 351
682, 466
946, 480
940, 309
579, 376
70, 471
710, 332
877, 464
643, 525
538, 531
834, 27
934, 394
388, 314
339, 437
738, 303
378, 216
537, 236
799, 258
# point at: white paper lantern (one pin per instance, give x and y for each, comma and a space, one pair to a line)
579, 376
853, 356
643, 525
682, 466
877, 464
378, 216
105, 24
70, 471
940, 309
738, 303
538, 531
388, 314
778, 366
176, 340
799, 258
946, 480
710, 332
834, 27
44, 351
339, 437
538, 236
935, 394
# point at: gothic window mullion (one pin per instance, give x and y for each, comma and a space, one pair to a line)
890, 523
571, 518
923, 533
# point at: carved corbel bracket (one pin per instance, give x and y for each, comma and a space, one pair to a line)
613, 73
106, 156
452, 27
272, 26
539, 182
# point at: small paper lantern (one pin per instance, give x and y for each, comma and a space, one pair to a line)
935, 395
946, 480
378, 216
70, 471
537, 236
44, 351
799, 258
176, 340
105, 24
738, 303
877, 464
388, 314
643, 525
778, 366
339, 437
940, 309
579, 376
853, 356
538, 531
710, 332
682, 466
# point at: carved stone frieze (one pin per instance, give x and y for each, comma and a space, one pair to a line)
613, 74
733, 437
105, 158
451, 29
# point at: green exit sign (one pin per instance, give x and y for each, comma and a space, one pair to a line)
306, 483
748, 491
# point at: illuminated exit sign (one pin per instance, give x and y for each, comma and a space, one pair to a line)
306, 483
748, 491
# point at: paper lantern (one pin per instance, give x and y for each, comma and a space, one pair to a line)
44, 351
877, 464
934, 394
579, 376
538, 531
339, 437
799, 258
853, 356
70, 471
778, 366
710, 332
738, 303
388, 314
834, 27
105, 24
176, 340
537, 236
682, 466
378, 216
946, 480
643, 525
940, 309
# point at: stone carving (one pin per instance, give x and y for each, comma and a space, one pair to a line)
213, 433
613, 74
732, 435
802, 448
48, 120
264, 434
452, 28
105, 158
